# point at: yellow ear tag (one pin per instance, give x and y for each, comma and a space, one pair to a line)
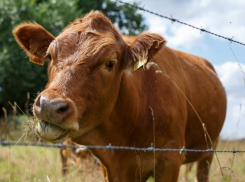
140, 63
39, 61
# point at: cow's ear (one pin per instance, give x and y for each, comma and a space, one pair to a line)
144, 47
34, 39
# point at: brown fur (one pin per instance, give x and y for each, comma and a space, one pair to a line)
113, 105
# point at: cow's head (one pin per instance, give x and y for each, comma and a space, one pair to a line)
86, 64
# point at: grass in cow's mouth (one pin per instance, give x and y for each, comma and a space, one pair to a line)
31, 124
29, 127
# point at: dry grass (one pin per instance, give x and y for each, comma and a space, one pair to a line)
232, 165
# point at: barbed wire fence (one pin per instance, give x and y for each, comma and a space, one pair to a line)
6, 143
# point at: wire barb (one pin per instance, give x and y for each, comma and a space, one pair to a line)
202, 30
172, 19
231, 39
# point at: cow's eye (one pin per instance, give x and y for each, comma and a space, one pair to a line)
49, 57
109, 65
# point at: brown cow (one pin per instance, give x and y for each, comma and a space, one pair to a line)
95, 98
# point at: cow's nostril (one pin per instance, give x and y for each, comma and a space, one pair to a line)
63, 109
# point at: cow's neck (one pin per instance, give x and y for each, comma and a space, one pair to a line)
131, 110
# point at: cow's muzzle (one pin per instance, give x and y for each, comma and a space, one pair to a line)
56, 117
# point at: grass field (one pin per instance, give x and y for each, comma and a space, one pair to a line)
33, 164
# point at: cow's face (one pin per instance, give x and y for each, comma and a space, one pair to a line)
86, 63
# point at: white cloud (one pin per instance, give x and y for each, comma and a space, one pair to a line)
231, 76
183, 37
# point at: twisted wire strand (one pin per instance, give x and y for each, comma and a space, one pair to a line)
5, 143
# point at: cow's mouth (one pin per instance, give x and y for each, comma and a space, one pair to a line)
51, 132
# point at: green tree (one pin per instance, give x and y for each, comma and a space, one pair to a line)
17, 76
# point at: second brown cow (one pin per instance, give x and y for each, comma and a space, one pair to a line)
95, 97
80, 160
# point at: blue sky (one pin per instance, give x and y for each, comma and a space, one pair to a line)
224, 17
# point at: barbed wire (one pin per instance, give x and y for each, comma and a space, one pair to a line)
5, 143
183, 23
